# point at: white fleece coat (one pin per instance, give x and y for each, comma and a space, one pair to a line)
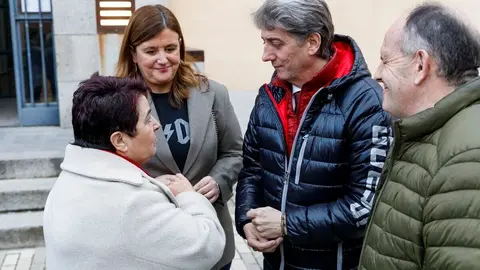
106, 213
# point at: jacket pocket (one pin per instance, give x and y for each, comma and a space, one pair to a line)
300, 159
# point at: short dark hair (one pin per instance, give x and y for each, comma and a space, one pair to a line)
454, 45
103, 105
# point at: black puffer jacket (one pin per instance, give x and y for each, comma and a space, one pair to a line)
326, 186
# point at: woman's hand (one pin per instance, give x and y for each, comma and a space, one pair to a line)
176, 183
208, 188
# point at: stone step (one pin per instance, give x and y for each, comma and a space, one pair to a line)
21, 230
32, 167
24, 194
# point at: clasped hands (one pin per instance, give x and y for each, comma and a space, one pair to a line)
178, 184
264, 233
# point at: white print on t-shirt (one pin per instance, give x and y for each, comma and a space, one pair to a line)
183, 134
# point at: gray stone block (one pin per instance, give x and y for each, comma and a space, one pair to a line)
30, 168
78, 57
65, 95
83, 12
24, 194
20, 230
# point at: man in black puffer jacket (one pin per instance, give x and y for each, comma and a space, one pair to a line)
315, 145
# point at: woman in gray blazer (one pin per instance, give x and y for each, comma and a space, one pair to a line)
200, 136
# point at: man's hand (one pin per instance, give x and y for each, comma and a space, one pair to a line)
257, 242
208, 188
267, 221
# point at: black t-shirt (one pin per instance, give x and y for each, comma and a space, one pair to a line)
176, 127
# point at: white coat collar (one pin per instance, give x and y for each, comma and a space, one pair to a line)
106, 166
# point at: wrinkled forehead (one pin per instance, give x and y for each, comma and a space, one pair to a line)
393, 38
276, 33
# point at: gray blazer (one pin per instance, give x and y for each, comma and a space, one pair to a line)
218, 156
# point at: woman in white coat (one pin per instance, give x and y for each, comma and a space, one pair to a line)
105, 212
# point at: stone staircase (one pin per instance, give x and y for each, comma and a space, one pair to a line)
29, 164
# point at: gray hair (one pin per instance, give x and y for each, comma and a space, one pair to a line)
300, 18
454, 46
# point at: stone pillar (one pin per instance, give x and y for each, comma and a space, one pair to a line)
77, 50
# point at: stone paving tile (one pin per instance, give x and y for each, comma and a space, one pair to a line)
25, 260
250, 259
238, 264
39, 258
11, 258
24, 264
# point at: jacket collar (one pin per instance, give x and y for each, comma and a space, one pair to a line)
101, 165
105, 166
432, 119
199, 106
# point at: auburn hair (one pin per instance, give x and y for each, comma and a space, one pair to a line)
145, 23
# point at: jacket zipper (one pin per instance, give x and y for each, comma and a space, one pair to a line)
300, 159
286, 175
284, 197
340, 256
289, 169
378, 196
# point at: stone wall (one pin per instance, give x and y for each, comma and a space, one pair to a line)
77, 51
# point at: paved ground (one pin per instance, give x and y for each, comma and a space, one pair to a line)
34, 258
23, 259
245, 257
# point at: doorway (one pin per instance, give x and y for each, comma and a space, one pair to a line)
30, 83
8, 101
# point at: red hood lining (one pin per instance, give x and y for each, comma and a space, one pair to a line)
129, 160
340, 65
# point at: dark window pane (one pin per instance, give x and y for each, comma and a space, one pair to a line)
34, 6
7, 79
38, 75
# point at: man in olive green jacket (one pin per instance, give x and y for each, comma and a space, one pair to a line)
427, 213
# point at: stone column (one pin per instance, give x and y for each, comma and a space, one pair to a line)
77, 49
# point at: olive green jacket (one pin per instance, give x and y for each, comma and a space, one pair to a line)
427, 214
